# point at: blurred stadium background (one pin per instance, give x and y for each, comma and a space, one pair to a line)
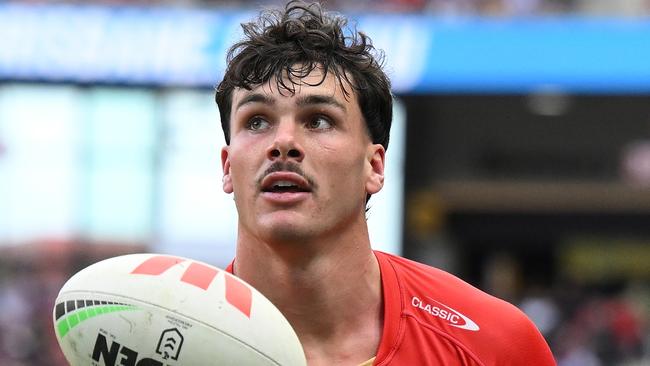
520, 158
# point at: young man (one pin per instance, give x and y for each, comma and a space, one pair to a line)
306, 111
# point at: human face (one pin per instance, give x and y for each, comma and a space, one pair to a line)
300, 165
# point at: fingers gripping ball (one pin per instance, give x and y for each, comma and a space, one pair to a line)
155, 310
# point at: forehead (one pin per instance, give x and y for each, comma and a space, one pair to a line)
339, 89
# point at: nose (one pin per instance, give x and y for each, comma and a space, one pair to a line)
286, 143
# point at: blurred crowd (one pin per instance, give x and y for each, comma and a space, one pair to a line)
588, 326
30, 278
442, 7
503, 8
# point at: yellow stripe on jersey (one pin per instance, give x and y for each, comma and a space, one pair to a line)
368, 363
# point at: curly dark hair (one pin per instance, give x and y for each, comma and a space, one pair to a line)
289, 44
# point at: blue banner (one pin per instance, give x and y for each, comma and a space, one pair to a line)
182, 47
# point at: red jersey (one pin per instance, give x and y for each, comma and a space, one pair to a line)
434, 318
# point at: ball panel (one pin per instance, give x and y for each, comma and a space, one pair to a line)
145, 295
124, 331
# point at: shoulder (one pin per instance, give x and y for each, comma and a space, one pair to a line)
488, 328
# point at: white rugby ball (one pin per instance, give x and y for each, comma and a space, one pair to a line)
155, 310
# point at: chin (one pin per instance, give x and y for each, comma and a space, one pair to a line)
287, 237
286, 231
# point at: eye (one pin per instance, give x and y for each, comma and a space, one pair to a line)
257, 123
320, 122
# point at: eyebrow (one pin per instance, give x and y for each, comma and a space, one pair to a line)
308, 100
319, 99
256, 98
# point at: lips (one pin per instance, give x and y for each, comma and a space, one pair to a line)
285, 182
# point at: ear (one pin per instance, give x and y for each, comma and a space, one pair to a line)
376, 157
225, 166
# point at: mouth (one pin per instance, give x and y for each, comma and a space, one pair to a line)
285, 182
284, 187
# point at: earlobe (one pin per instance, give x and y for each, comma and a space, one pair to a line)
376, 159
225, 166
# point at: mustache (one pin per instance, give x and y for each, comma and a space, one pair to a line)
286, 166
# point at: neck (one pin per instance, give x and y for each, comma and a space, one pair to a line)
329, 290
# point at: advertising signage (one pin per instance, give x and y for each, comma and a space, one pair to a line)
424, 54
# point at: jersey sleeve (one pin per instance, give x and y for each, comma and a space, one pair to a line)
528, 346
436, 318
519, 342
